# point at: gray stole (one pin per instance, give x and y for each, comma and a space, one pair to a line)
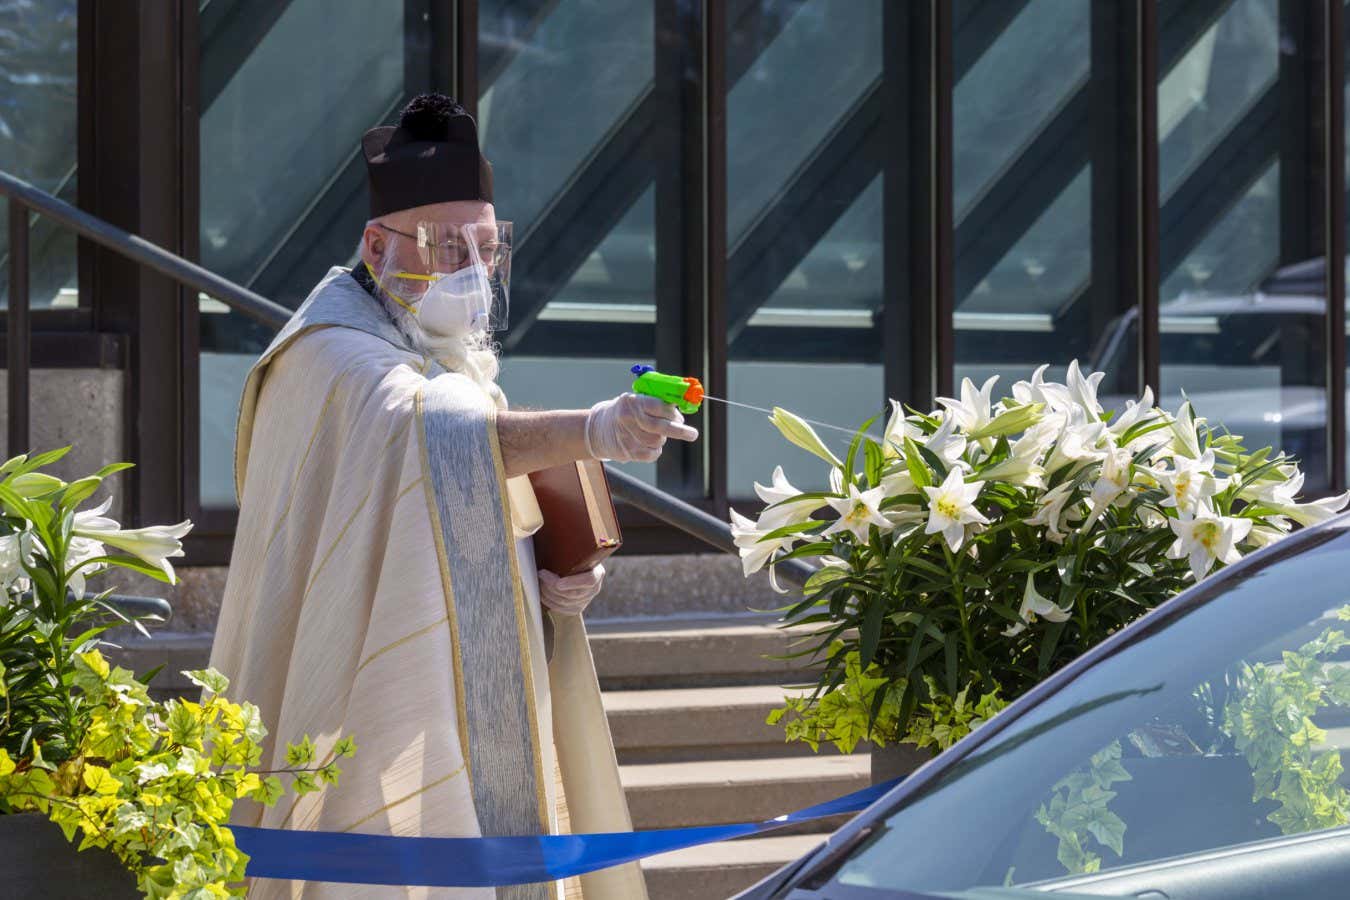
478, 564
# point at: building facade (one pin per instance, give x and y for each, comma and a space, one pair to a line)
814, 204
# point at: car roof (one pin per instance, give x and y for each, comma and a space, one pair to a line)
1244, 304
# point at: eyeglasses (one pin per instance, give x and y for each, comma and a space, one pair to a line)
456, 251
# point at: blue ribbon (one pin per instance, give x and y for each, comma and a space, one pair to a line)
490, 861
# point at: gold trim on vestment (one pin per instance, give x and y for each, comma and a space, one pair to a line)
337, 541
447, 589
522, 622
422, 790
300, 469
403, 640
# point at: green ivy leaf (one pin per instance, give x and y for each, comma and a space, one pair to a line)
270, 791
208, 679
301, 754
100, 780
185, 726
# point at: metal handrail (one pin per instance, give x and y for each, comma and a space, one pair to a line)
22, 195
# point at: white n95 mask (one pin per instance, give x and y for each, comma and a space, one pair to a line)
457, 304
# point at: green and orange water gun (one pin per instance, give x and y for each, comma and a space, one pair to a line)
684, 391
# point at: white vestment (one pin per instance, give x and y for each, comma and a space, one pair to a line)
378, 590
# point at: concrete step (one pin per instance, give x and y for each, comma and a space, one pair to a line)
722, 791
696, 723
718, 871
694, 652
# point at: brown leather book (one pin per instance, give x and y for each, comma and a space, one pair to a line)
580, 528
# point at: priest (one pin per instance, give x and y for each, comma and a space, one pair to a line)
382, 583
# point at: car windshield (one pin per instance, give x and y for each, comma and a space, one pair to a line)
1218, 727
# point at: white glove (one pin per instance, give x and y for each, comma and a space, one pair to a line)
633, 428
570, 595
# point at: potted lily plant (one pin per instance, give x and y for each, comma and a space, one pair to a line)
147, 786
977, 547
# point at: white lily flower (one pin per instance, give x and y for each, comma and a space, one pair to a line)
1022, 467
781, 490
944, 443
13, 550
1263, 536
1136, 411
1207, 537
80, 551
898, 483
1050, 512
154, 545
857, 511
1033, 605
1280, 498
1186, 432
755, 553
1111, 483
1083, 390
1055, 396
897, 427
1076, 447
973, 411
1191, 482
1039, 438
951, 506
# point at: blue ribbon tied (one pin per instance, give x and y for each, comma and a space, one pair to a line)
490, 861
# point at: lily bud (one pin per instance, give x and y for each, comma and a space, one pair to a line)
798, 432
1011, 421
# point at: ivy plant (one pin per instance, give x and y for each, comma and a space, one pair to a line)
154, 782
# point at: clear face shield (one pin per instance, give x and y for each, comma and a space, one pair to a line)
454, 278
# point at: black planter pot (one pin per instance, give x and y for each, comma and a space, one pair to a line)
38, 863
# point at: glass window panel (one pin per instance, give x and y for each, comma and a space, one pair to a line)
1023, 194
288, 121
803, 316
823, 309
819, 60
558, 81
1013, 88
1249, 355
1228, 67
282, 179
38, 137
558, 78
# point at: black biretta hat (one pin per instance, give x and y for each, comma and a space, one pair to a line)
430, 157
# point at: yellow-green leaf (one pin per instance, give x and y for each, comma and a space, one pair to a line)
100, 780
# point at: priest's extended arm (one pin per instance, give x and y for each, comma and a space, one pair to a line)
628, 428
